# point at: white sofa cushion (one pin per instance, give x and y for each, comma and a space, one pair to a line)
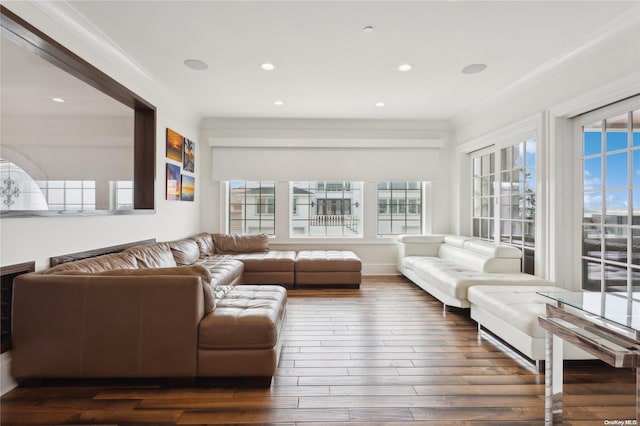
410, 262
419, 245
518, 306
490, 249
478, 262
456, 240
410, 239
454, 279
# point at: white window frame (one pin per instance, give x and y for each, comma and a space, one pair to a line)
530, 128
391, 210
119, 186
578, 122
254, 208
66, 186
482, 154
349, 187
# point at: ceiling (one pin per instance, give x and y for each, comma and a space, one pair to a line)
326, 66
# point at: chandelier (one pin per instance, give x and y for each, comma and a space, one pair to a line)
9, 191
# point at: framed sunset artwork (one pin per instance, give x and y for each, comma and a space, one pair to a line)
173, 182
188, 188
175, 142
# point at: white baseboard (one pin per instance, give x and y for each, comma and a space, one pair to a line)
6, 381
379, 269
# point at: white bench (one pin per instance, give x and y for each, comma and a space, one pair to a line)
512, 312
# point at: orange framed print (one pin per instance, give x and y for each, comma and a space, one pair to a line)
174, 145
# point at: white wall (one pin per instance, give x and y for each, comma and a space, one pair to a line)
36, 239
304, 149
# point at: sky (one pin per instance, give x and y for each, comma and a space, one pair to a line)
616, 164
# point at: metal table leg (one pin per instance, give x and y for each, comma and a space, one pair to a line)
553, 377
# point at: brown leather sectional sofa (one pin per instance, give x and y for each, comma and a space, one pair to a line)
212, 305
166, 309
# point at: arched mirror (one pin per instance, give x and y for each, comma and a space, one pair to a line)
73, 140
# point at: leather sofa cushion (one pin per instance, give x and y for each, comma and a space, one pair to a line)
97, 264
185, 251
223, 271
328, 261
234, 243
194, 270
329, 278
248, 317
205, 244
271, 261
154, 255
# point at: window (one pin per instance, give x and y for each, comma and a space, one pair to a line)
399, 208
123, 194
18, 190
518, 199
69, 194
504, 192
611, 202
252, 207
326, 209
484, 196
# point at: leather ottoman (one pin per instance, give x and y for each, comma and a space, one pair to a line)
328, 268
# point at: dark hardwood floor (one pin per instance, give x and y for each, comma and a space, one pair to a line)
383, 354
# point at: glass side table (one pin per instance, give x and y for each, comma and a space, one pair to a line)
606, 325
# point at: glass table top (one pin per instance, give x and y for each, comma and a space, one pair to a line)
612, 306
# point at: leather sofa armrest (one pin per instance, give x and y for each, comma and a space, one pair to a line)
105, 326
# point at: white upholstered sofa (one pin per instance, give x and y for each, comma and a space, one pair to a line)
466, 272
447, 265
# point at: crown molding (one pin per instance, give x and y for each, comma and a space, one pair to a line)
322, 124
597, 98
524, 128
324, 143
63, 13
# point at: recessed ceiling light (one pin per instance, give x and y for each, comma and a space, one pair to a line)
405, 67
59, 100
267, 66
368, 29
473, 68
196, 64
380, 104
278, 103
